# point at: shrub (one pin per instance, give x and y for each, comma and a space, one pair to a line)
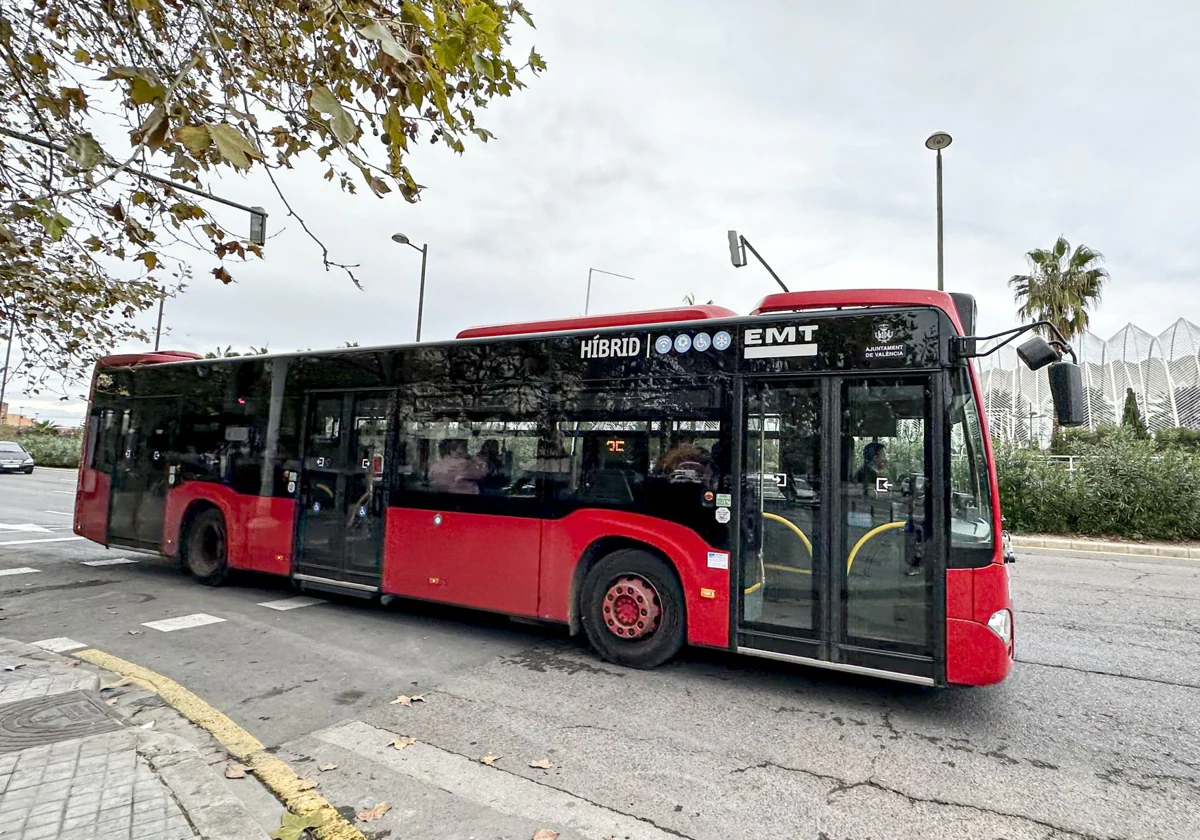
53, 450
1124, 486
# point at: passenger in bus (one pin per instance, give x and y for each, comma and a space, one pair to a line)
489, 455
455, 471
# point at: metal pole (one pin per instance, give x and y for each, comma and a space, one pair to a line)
162, 296
746, 243
421, 295
7, 355
587, 301
940, 258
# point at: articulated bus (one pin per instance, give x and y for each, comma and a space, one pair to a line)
811, 483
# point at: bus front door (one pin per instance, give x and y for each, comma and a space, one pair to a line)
838, 564
342, 489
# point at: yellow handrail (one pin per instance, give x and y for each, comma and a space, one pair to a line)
789, 523
879, 530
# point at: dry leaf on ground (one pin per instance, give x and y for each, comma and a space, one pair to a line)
117, 684
135, 632
305, 784
545, 834
405, 700
542, 763
489, 759
236, 771
375, 813
324, 768
401, 743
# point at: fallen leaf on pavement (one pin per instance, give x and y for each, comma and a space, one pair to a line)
236, 771
375, 813
489, 759
325, 768
541, 764
135, 632
405, 700
14, 667
305, 784
545, 834
117, 684
293, 826
401, 743
149, 725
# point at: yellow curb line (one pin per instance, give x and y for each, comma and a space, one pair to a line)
279, 778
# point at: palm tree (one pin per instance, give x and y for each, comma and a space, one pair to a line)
1060, 286
43, 427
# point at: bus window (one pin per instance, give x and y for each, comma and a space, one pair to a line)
972, 542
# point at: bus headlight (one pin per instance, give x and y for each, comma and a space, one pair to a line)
1001, 624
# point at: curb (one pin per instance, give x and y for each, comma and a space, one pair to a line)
1179, 552
213, 811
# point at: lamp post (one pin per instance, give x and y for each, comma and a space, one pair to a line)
401, 239
587, 301
938, 141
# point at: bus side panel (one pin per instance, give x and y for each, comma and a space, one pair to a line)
91, 505
473, 560
258, 528
565, 540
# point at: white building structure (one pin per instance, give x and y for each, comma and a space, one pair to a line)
1162, 370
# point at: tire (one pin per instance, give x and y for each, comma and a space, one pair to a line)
29, 471
618, 601
204, 548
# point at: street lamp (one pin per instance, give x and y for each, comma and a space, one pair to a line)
938, 141
587, 301
401, 239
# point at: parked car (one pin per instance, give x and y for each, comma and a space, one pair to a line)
14, 458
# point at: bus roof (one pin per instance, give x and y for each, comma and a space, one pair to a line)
702, 312
847, 298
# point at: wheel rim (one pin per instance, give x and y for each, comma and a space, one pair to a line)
632, 608
208, 551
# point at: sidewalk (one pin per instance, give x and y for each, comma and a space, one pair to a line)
72, 767
1186, 552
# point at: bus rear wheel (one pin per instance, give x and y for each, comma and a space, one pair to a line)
204, 548
632, 609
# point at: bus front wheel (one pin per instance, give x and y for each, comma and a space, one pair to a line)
632, 609
204, 548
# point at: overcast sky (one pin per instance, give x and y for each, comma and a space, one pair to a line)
659, 126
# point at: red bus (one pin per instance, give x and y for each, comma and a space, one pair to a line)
812, 483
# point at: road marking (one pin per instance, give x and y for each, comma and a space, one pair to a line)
64, 492
111, 561
24, 570
60, 644
183, 622
292, 603
279, 778
492, 787
28, 527
49, 540
59, 512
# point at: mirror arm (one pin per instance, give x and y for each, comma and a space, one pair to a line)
958, 343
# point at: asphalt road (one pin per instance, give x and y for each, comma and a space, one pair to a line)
1096, 734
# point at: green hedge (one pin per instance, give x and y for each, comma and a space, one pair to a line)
1120, 487
53, 450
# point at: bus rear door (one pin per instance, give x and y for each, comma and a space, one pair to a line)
838, 563
343, 494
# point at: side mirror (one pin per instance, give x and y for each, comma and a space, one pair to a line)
1036, 353
1066, 386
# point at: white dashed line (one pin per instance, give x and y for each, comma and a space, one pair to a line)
60, 645
111, 561
64, 492
292, 603
24, 570
58, 512
48, 540
184, 622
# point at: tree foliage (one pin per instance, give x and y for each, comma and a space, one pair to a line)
188, 89
1131, 417
1060, 287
